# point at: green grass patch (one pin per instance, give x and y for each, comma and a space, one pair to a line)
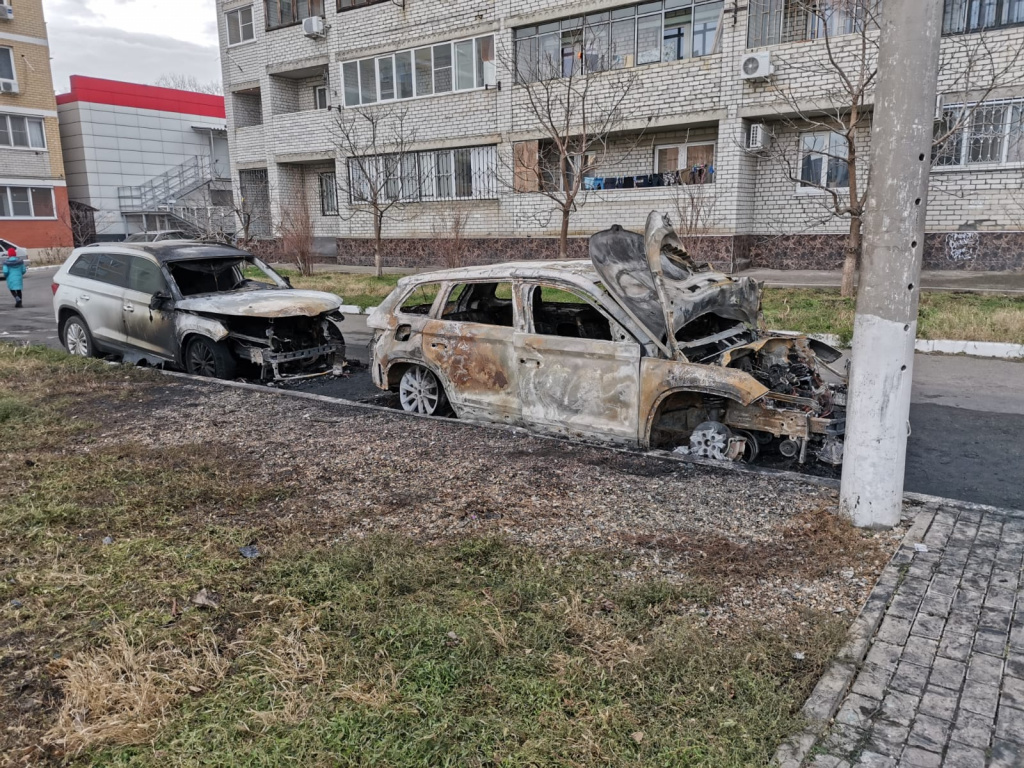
383, 651
941, 315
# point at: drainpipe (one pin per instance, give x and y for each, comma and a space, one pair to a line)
886, 323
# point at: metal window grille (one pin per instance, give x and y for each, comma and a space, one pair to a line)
468, 173
254, 186
976, 134
328, 194
960, 16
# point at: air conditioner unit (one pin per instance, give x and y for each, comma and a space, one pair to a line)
756, 66
940, 107
6, 13
758, 137
490, 74
314, 27
8, 86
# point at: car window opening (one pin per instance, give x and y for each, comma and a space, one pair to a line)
196, 277
420, 300
485, 303
712, 334
557, 312
213, 276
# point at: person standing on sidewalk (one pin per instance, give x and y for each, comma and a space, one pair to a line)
14, 273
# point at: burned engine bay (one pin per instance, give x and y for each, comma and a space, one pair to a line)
279, 332
791, 400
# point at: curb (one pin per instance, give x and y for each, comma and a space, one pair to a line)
993, 349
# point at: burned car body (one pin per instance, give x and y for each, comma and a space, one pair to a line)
584, 349
206, 308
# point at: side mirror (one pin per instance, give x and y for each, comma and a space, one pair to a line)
159, 299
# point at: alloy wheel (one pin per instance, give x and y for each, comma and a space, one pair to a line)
419, 391
76, 339
201, 361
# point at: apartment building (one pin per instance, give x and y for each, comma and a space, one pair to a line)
142, 158
731, 109
34, 209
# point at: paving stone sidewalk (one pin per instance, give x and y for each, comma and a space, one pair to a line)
943, 682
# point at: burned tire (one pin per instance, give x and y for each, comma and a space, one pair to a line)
420, 392
206, 357
76, 338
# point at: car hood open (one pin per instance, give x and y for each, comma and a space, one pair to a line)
652, 277
268, 303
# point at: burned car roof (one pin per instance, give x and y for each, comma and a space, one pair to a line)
167, 251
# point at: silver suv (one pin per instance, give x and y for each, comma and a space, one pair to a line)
206, 308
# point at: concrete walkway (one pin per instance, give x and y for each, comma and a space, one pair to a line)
943, 682
975, 282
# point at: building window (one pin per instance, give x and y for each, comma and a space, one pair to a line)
320, 100
240, 26
8, 79
328, 194
457, 66
284, 13
25, 132
770, 22
991, 133
686, 163
468, 173
823, 161
974, 15
26, 203
625, 37
348, 5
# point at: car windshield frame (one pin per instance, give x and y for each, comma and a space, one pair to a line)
250, 283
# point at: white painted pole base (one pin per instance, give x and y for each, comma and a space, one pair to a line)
877, 420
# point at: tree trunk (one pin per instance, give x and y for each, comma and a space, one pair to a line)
378, 257
851, 259
563, 236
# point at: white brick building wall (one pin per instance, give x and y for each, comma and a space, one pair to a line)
702, 98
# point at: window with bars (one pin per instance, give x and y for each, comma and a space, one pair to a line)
466, 173
284, 13
328, 182
770, 22
823, 161
434, 69
648, 33
348, 5
961, 16
991, 133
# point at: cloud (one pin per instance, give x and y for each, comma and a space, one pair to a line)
119, 55
134, 40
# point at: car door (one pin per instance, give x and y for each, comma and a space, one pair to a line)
579, 370
149, 330
97, 293
471, 343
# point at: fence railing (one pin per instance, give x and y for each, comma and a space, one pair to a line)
165, 189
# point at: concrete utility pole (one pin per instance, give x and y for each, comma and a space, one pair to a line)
886, 324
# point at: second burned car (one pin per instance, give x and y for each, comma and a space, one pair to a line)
639, 346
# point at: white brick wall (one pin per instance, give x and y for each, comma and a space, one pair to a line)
698, 97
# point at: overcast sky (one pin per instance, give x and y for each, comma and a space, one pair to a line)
133, 40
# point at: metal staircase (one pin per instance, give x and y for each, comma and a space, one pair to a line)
167, 195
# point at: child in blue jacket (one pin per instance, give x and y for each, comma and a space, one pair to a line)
14, 272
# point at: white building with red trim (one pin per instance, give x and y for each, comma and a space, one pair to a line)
144, 157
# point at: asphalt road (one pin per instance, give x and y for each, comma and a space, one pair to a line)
967, 416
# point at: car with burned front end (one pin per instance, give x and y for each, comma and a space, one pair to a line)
639, 346
206, 308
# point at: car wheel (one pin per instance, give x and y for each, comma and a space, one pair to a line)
420, 392
206, 357
77, 339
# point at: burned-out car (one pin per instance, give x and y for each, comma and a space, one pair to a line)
639, 346
206, 308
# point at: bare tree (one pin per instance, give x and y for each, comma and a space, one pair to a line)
296, 242
449, 226
575, 111
381, 170
183, 82
834, 126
